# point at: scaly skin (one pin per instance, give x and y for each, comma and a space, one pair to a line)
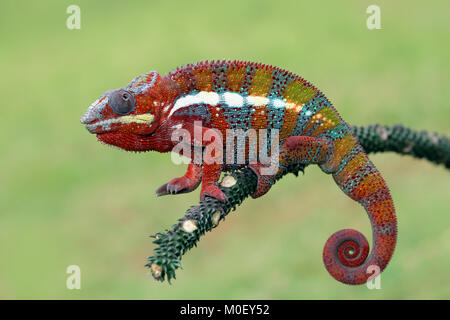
242, 95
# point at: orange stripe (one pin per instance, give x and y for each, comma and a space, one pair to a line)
367, 187
382, 211
260, 87
203, 78
261, 83
351, 167
182, 84
290, 121
235, 76
341, 148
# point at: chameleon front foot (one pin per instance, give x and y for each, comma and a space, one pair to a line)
187, 183
175, 186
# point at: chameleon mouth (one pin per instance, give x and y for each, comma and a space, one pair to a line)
126, 141
109, 124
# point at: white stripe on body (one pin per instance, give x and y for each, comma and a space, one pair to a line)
227, 99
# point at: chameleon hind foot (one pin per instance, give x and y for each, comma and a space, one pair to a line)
264, 183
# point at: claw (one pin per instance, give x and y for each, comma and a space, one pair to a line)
175, 186
214, 192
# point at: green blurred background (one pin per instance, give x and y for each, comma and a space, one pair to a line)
66, 199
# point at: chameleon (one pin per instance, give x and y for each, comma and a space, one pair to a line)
240, 95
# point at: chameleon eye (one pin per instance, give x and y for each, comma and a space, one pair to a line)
122, 102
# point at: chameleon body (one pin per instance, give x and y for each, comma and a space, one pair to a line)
237, 95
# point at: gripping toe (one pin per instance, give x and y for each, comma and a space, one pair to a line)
213, 191
265, 182
175, 186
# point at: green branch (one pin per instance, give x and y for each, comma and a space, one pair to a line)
238, 185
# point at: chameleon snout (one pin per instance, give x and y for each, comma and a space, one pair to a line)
93, 117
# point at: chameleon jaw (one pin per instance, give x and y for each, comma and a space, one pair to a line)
146, 118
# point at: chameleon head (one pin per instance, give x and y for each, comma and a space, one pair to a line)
124, 117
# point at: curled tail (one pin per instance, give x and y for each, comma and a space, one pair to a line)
346, 253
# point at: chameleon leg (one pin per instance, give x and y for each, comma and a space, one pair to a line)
296, 149
345, 254
187, 183
211, 175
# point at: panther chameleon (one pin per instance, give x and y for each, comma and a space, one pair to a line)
223, 95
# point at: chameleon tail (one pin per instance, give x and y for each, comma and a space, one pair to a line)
346, 253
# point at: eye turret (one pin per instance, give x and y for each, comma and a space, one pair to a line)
122, 102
